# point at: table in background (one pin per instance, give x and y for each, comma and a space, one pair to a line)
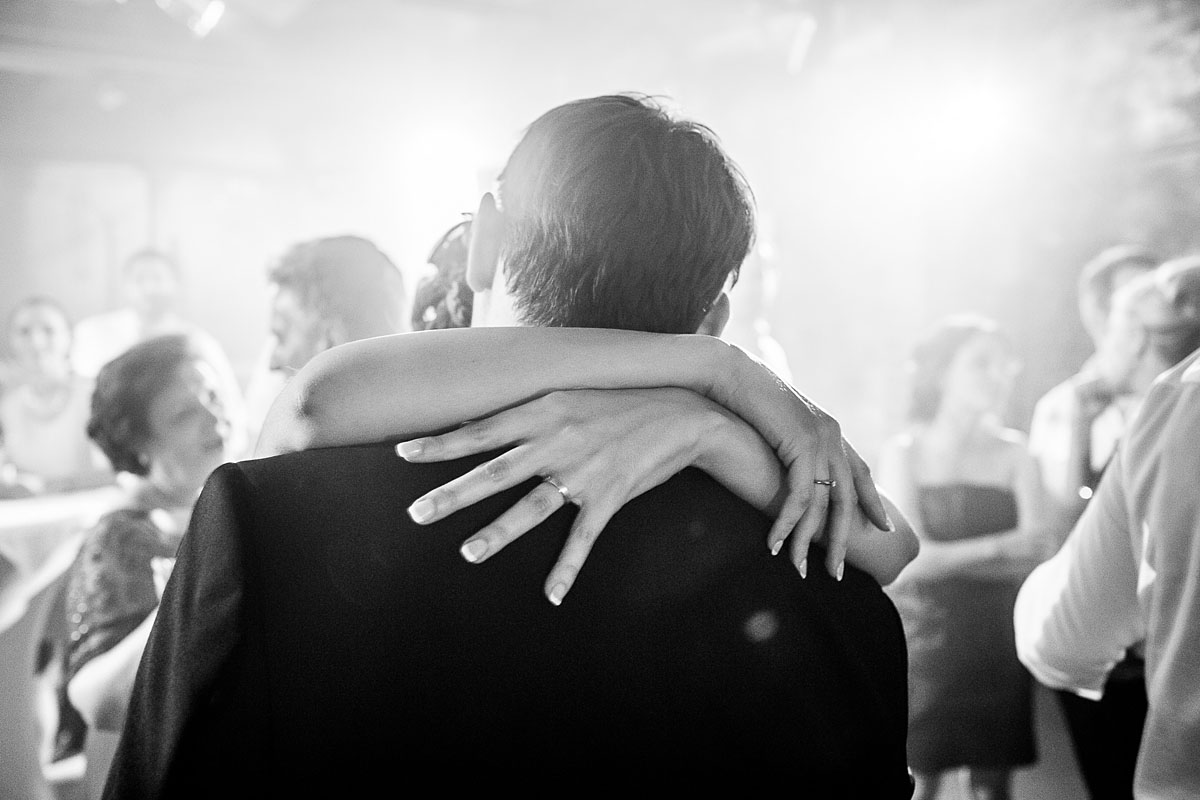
32, 528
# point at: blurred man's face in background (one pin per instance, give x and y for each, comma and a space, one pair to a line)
297, 331
1096, 308
151, 286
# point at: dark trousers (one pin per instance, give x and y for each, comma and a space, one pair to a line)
1107, 733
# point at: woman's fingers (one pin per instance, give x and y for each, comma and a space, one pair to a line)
479, 436
527, 514
587, 526
485, 480
795, 505
868, 494
812, 520
842, 499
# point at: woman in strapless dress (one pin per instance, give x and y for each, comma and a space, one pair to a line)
971, 489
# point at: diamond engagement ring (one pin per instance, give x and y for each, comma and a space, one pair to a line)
822, 482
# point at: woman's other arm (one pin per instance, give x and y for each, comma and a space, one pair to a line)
101, 688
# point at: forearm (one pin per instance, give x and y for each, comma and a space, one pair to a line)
408, 384
100, 690
997, 555
882, 554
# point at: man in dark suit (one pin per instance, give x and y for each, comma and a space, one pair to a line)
315, 640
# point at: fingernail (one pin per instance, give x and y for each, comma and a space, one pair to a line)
474, 550
891, 525
775, 548
410, 449
422, 510
841, 569
804, 568
558, 593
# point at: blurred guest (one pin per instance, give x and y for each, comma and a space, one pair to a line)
325, 292
1077, 423
44, 407
751, 300
1128, 576
1146, 333
151, 290
443, 298
157, 414
971, 490
1073, 434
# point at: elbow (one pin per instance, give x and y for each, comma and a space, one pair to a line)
908, 547
912, 546
294, 417
906, 552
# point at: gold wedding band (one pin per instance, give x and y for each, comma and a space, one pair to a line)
822, 482
560, 488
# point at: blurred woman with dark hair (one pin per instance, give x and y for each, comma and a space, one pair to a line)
971, 489
157, 415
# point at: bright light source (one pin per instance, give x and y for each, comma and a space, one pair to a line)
201, 16
966, 124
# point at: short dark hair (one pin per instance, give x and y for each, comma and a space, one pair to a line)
125, 388
620, 216
347, 280
1098, 277
932, 356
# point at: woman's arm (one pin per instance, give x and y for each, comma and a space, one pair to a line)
101, 688
401, 385
609, 446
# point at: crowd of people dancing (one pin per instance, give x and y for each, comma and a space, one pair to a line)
1058, 554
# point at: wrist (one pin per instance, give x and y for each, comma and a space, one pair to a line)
715, 439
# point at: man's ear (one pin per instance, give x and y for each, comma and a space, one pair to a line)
483, 251
716, 318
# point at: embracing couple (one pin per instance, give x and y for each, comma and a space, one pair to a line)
644, 560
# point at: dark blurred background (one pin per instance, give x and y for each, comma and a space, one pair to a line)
910, 158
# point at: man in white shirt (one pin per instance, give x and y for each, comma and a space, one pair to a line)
324, 292
1130, 570
1086, 393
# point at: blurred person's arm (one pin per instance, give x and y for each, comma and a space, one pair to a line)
1078, 612
1004, 554
101, 688
1060, 437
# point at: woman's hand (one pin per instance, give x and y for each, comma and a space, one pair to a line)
825, 475
603, 448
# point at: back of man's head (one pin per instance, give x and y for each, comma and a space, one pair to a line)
348, 282
619, 216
